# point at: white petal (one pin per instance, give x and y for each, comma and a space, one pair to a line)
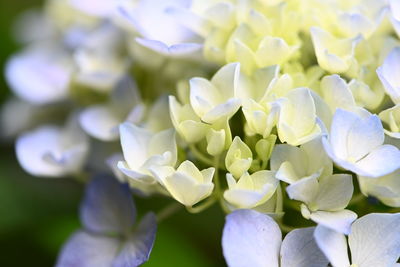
375, 240
135, 174
316, 159
100, 122
334, 192
299, 249
303, 190
365, 135
291, 154
286, 173
342, 122
336, 93
339, 221
252, 239
241, 198
297, 119
385, 188
44, 152
388, 74
224, 110
40, 75
163, 142
333, 245
203, 96
112, 163
178, 50
31, 147
134, 142
395, 8
152, 19
186, 189
381, 161
226, 79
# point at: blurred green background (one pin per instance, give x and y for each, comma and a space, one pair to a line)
38, 215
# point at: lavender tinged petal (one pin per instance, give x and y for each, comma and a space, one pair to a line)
107, 206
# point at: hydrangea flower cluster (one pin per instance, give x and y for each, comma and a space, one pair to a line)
266, 108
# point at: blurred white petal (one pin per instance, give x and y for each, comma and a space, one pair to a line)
40, 75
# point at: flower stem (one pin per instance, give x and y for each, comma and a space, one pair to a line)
206, 204
216, 175
279, 199
200, 156
168, 211
218, 192
356, 199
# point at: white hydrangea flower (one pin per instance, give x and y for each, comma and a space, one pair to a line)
356, 143
385, 188
244, 46
214, 100
367, 90
295, 163
298, 122
374, 240
187, 184
186, 122
325, 199
245, 32
260, 83
53, 151
40, 74
298, 70
219, 137
309, 175
238, 158
143, 149
250, 190
259, 93
335, 55
260, 118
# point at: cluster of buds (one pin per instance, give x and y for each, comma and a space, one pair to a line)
268, 108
